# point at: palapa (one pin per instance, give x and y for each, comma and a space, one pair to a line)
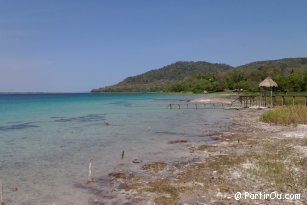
268, 83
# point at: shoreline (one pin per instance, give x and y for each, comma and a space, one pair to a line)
247, 155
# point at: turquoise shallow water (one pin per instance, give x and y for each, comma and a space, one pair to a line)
46, 140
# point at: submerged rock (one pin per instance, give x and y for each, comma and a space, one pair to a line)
136, 161
156, 166
117, 175
177, 141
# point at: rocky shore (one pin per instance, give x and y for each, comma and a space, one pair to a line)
246, 156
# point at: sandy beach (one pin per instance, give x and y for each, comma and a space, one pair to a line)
245, 156
218, 99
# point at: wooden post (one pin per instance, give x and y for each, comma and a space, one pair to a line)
179, 106
196, 106
123, 154
187, 106
293, 99
265, 99
250, 101
170, 106
271, 97
1, 194
245, 101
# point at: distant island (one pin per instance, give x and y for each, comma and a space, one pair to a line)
199, 77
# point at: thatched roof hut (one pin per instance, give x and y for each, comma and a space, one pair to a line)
265, 84
268, 83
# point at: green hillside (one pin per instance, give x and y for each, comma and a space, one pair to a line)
289, 73
159, 79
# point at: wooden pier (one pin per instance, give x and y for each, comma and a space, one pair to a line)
277, 100
196, 106
245, 101
290, 100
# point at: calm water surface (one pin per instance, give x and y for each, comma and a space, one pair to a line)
46, 140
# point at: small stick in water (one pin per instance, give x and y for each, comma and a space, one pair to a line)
89, 178
1, 194
123, 154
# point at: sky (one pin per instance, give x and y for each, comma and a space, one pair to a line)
77, 45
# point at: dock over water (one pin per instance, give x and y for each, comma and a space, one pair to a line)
242, 101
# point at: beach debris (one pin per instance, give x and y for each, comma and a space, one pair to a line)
107, 124
136, 161
155, 166
89, 178
123, 154
203, 147
117, 175
1, 194
177, 141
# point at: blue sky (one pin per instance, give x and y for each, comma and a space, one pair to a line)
76, 45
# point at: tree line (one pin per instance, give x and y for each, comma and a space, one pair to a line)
294, 80
187, 76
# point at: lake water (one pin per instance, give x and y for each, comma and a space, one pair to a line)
47, 140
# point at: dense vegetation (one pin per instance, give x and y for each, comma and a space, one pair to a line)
197, 77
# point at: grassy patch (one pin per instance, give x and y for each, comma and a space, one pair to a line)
278, 172
279, 165
168, 193
273, 166
286, 115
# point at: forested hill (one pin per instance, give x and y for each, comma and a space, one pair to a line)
158, 79
289, 73
283, 63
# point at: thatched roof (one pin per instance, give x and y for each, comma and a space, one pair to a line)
268, 83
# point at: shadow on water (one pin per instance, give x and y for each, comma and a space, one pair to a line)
121, 103
168, 133
24, 125
18, 126
86, 118
210, 136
